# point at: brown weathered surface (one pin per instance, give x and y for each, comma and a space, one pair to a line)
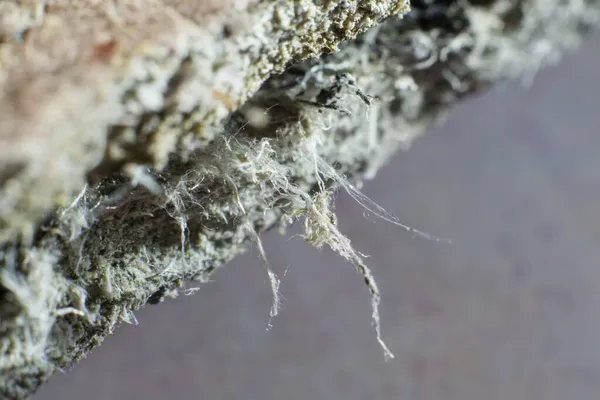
73, 73
64, 69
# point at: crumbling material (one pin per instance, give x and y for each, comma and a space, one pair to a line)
186, 163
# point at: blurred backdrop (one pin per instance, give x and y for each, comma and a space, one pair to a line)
510, 310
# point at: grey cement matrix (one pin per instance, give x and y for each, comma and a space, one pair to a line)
144, 144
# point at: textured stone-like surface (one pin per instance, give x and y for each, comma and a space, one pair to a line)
80, 81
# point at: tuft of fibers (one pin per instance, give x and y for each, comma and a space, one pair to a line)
138, 235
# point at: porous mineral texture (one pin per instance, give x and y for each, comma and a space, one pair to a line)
145, 143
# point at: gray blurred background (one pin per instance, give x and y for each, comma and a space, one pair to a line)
510, 310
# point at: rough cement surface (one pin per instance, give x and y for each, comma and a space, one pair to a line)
187, 163
92, 87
